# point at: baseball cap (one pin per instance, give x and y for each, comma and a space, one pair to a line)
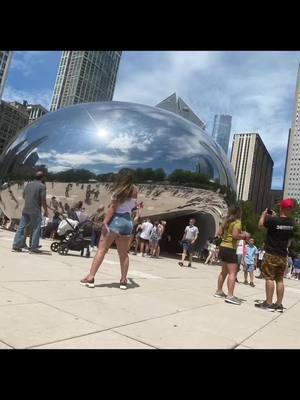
287, 203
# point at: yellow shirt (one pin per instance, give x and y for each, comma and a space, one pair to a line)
227, 240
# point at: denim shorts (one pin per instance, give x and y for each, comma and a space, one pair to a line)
249, 267
188, 247
121, 224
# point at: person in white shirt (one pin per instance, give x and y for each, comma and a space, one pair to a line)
241, 252
260, 257
211, 251
145, 236
190, 236
117, 227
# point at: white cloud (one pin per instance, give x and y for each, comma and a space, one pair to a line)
256, 88
38, 96
78, 160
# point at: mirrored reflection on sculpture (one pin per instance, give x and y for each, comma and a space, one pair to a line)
179, 169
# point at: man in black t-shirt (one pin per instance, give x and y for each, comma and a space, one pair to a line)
280, 231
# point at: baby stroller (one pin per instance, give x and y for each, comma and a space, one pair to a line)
72, 238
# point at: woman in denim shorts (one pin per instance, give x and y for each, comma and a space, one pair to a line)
117, 226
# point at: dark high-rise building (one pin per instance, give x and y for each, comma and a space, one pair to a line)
13, 117
84, 77
221, 130
276, 197
253, 167
178, 106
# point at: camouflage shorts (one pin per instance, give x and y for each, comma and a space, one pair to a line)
273, 267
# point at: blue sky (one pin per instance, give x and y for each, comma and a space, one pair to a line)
256, 88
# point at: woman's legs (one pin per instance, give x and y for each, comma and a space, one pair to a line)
137, 242
142, 244
222, 277
154, 248
104, 246
157, 250
232, 269
208, 257
122, 243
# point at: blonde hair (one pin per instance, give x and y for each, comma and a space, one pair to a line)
123, 186
234, 213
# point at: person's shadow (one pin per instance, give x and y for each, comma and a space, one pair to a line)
131, 284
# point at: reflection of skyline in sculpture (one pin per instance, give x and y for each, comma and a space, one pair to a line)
20, 160
190, 172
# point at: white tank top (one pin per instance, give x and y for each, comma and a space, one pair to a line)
127, 206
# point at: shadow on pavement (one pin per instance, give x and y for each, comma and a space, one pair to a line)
130, 285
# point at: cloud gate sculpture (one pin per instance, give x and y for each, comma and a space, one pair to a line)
179, 169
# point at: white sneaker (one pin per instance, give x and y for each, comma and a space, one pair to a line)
92, 248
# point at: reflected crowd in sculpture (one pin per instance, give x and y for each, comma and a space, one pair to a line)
179, 169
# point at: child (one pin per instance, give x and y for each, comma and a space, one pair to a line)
250, 262
296, 270
211, 249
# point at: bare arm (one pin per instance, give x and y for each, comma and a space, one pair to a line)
220, 231
138, 215
44, 202
262, 218
196, 237
238, 235
110, 212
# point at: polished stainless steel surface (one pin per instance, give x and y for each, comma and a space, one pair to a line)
83, 144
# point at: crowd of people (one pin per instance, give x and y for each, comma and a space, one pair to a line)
272, 259
122, 224
147, 236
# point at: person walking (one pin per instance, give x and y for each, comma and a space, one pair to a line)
97, 221
241, 252
230, 231
154, 238
280, 231
34, 195
162, 227
190, 236
146, 229
117, 227
211, 251
250, 262
260, 257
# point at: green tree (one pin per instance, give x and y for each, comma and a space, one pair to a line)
250, 223
295, 245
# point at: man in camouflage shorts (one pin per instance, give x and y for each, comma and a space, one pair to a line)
279, 234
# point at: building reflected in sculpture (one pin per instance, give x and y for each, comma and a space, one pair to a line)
179, 169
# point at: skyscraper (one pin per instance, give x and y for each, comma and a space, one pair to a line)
13, 117
253, 167
35, 111
221, 130
292, 169
85, 76
178, 106
5, 59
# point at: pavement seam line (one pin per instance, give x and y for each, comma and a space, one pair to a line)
9, 345
269, 322
136, 340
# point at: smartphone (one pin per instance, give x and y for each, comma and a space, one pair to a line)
269, 211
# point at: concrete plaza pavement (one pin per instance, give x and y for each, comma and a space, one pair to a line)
42, 306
